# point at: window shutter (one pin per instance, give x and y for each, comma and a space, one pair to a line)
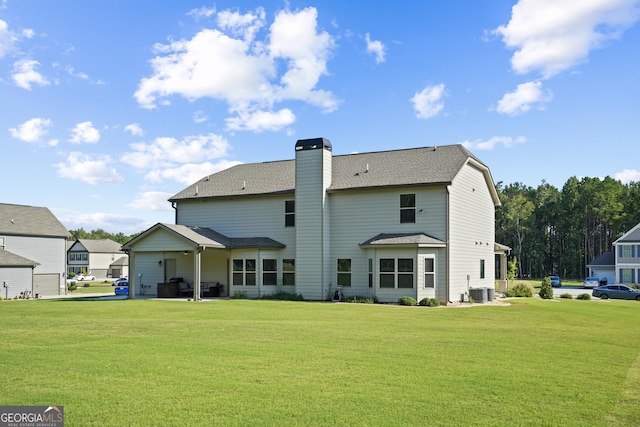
633, 251
620, 251
633, 276
620, 279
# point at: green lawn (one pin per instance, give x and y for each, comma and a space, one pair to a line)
93, 288
248, 363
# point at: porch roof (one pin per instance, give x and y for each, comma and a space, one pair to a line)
205, 237
403, 239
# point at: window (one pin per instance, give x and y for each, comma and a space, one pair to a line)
290, 213
626, 275
370, 273
407, 208
269, 272
405, 273
288, 272
429, 273
387, 272
344, 272
244, 272
482, 269
626, 251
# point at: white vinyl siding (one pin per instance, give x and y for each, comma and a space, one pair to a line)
472, 231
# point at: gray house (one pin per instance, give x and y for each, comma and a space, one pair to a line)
97, 257
32, 251
627, 253
415, 222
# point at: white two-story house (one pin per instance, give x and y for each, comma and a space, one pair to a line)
416, 222
627, 257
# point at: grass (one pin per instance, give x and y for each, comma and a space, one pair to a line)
252, 362
93, 288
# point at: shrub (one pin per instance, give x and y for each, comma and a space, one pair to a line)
407, 301
361, 299
429, 302
239, 295
546, 290
520, 290
567, 296
86, 285
285, 296
584, 296
72, 286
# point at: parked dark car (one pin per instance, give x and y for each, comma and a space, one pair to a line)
555, 281
604, 281
617, 292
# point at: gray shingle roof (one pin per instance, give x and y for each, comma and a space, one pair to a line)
414, 166
208, 238
100, 246
607, 259
21, 220
9, 259
403, 239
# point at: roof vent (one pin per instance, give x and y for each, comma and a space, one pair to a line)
367, 169
196, 193
244, 184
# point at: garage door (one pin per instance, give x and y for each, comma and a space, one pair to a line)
46, 284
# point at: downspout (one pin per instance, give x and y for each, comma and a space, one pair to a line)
448, 223
175, 215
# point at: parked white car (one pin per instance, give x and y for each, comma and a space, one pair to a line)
87, 277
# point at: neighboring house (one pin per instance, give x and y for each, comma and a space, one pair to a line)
32, 251
627, 253
415, 222
604, 267
98, 257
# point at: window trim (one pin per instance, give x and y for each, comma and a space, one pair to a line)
344, 276
270, 273
407, 208
428, 272
289, 213
286, 271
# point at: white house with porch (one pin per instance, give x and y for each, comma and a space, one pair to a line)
416, 222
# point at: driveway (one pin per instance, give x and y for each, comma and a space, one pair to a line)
573, 290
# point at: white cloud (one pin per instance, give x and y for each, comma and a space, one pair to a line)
242, 71
376, 47
526, 96
428, 103
189, 173
167, 152
554, 35
202, 12
151, 200
491, 143
32, 130
134, 129
200, 117
7, 39
25, 74
258, 121
84, 132
628, 176
92, 171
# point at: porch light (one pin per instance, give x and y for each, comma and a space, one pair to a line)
160, 262
185, 252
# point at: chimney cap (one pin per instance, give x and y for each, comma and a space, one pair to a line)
313, 144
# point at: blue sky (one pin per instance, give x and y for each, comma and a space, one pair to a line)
111, 107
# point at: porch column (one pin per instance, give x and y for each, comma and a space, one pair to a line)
196, 274
132, 277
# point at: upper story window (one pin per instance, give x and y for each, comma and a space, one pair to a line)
290, 213
407, 208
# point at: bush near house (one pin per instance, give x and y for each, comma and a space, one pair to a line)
407, 301
524, 290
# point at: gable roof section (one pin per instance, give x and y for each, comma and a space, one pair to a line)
403, 239
631, 236
9, 259
413, 166
207, 238
21, 220
98, 246
607, 259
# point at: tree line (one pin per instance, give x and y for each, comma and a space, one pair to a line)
100, 234
560, 232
